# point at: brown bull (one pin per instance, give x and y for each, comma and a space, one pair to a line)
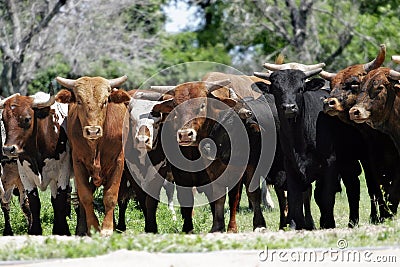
189, 124
378, 103
96, 117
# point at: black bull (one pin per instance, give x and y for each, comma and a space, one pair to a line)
219, 134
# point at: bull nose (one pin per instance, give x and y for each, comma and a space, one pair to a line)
10, 151
358, 115
92, 132
355, 112
186, 136
289, 107
143, 141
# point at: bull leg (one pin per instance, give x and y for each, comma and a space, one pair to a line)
123, 199
185, 195
219, 212
85, 195
151, 206
5, 207
110, 198
169, 190
295, 202
24, 202
326, 187
309, 221
34, 204
283, 207
233, 205
62, 209
122, 206
255, 198
352, 185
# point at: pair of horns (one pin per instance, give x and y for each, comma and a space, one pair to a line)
374, 64
293, 66
211, 86
37, 102
308, 73
69, 83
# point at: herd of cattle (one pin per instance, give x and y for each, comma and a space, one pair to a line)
100, 135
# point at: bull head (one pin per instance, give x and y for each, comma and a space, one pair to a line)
91, 96
190, 119
18, 118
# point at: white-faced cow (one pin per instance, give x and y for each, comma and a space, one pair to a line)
146, 166
35, 137
96, 117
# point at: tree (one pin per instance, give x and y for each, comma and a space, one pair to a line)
21, 22
92, 37
337, 32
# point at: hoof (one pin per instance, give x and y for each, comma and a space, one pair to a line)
260, 230
106, 232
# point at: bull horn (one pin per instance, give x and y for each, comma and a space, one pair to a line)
396, 59
212, 86
67, 83
310, 73
3, 101
162, 88
293, 66
153, 96
327, 75
394, 75
40, 103
262, 75
378, 61
245, 113
117, 81
232, 94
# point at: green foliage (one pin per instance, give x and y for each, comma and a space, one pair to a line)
185, 47
137, 16
170, 238
45, 77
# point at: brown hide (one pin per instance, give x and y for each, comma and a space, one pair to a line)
241, 84
27, 134
102, 158
377, 103
345, 85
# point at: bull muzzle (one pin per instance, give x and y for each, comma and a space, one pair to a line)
359, 114
332, 106
92, 132
290, 110
186, 137
11, 151
143, 142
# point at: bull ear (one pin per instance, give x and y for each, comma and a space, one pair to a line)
164, 107
229, 102
314, 84
119, 96
65, 96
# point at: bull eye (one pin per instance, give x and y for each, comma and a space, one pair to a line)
104, 104
13, 106
79, 102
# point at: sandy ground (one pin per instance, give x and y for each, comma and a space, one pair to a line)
382, 256
122, 258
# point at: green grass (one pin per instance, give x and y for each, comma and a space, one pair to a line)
170, 238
